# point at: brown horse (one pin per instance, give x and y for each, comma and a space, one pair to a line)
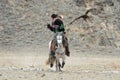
57, 51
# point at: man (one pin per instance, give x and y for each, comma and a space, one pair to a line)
58, 26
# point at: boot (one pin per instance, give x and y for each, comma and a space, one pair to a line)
67, 52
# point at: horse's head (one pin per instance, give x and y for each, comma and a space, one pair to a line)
60, 37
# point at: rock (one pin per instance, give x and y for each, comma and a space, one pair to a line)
43, 75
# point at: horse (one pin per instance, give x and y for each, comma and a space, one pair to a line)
57, 51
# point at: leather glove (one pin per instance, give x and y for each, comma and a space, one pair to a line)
48, 25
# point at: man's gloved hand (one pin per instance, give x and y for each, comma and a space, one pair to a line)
48, 25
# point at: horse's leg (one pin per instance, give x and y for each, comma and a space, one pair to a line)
51, 65
52, 59
63, 61
56, 63
51, 62
59, 65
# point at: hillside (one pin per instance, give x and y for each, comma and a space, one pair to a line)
23, 23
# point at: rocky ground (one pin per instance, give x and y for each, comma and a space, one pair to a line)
94, 44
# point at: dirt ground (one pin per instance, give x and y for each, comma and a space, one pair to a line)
83, 64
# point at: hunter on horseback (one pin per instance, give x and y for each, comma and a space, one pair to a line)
58, 26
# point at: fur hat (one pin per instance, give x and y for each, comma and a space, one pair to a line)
54, 16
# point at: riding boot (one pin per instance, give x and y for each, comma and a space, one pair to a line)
67, 52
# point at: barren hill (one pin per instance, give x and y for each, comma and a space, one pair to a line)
23, 23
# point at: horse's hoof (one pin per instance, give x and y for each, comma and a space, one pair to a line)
51, 65
60, 70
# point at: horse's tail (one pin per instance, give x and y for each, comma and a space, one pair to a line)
50, 59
